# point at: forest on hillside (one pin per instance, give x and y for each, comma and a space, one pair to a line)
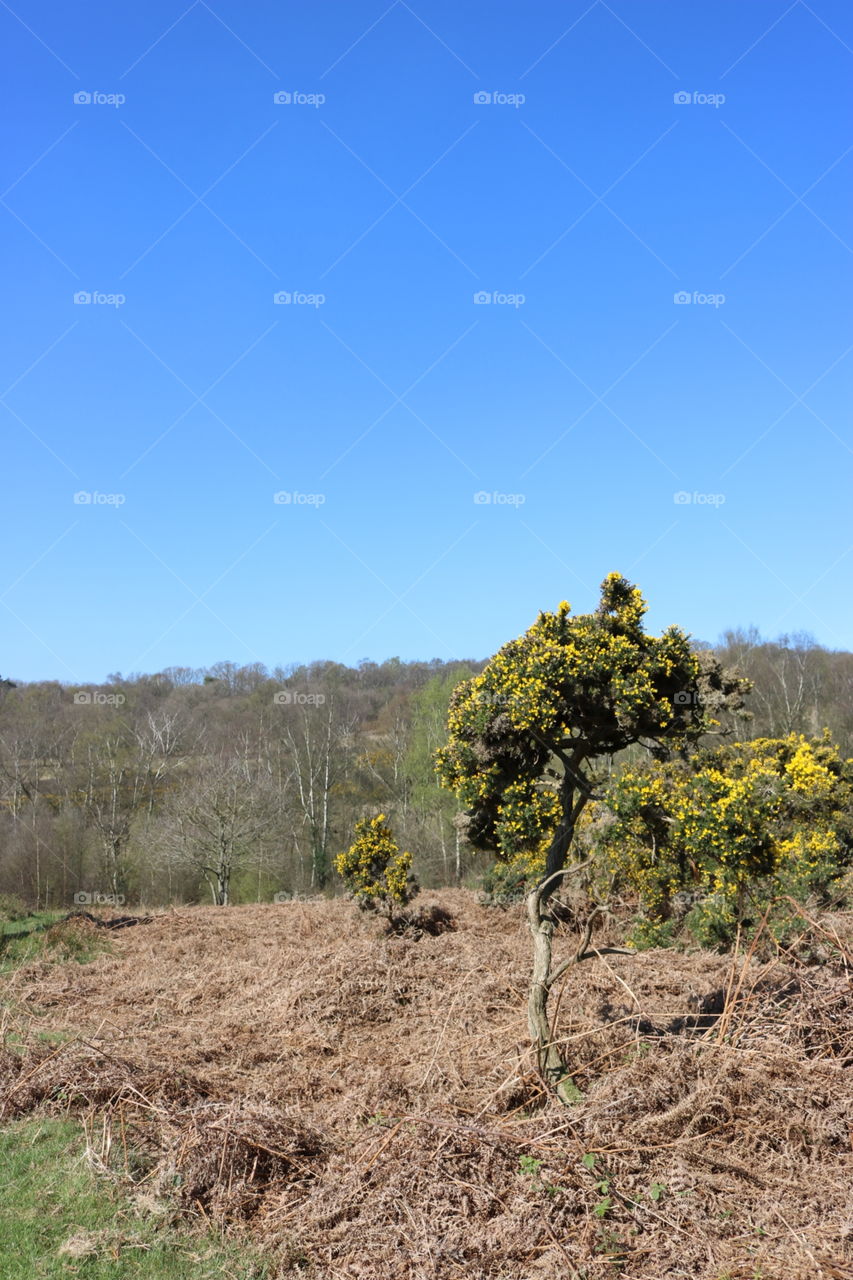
139, 786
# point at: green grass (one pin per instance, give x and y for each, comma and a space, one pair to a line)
59, 1219
28, 939
29, 923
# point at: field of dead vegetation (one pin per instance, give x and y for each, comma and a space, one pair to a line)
365, 1106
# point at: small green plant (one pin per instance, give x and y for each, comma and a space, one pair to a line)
602, 1186
656, 1190
610, 1244
530, 1167
374, 870
647, 934
604, 1206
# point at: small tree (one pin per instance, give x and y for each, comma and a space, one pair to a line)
374, 870
526, 735
216, 824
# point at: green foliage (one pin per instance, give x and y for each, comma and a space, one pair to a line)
737, 829
374, 870
647, 934
429, 707
506, 883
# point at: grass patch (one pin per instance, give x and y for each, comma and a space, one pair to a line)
59, 1219
37, 938
29, 924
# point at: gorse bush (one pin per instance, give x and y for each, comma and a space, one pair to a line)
741, 827
526, 735
374, 870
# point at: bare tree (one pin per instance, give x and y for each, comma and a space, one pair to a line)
216, 825
317, 736
126, 771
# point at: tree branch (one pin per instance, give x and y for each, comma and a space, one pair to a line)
564, 871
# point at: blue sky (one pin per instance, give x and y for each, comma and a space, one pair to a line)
148, 165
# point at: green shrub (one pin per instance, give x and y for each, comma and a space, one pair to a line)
12, 907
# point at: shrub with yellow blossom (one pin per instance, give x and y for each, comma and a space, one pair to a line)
740, 827
374, 870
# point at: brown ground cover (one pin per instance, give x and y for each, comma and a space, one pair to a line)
366, 1105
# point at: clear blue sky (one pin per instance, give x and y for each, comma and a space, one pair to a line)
596, 399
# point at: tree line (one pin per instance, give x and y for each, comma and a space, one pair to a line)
236, 783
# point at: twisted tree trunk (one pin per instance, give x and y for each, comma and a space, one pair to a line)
549, 1060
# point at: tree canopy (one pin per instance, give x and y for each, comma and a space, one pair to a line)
524, 734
